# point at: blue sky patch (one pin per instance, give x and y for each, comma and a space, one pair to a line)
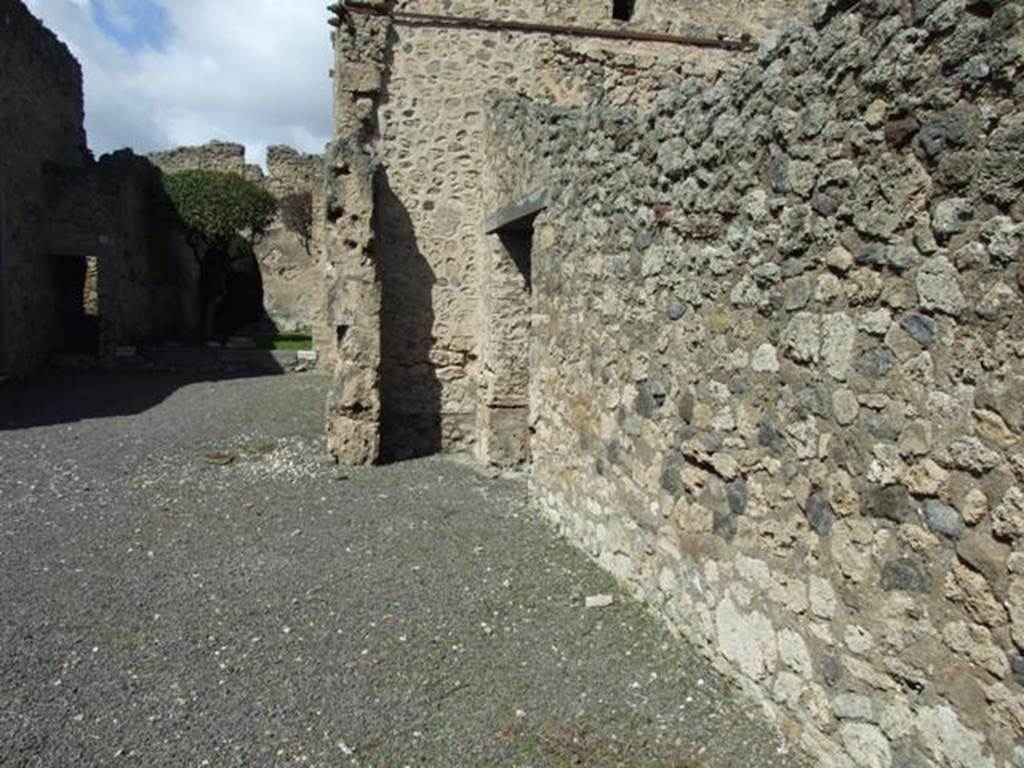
134, 24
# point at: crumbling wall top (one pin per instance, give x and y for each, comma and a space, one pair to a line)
222, 156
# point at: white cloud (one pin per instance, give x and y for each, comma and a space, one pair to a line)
251, 71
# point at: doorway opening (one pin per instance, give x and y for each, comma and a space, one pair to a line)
518, 245
77, 301
504, 415
5, 363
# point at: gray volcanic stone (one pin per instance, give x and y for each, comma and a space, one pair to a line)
671, 477
650, 398
891, 502
949, 128
778, 172
1017, 667
724, 524
824, 204
876, 362
832, 671
904, 575
920, 327
873, 255
768, 437
943, 519
819, 513
736, 493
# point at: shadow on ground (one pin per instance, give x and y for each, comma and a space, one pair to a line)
55, 396
165, 607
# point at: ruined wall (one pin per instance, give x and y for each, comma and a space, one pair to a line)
143, 277
149, 284
776, 370
220, 156
425, 124
40, 123
352, 288
290, 261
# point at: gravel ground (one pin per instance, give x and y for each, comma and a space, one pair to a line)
185, 581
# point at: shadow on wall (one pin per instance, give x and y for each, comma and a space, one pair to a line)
409, 388
518, 243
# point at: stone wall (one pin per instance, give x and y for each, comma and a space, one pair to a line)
412, 97
143, 271
40, 124
290, 262
776, 369
220, 156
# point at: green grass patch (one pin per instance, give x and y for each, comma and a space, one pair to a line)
297, 340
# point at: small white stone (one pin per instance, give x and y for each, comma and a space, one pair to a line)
938, 287
765, 359
746, 639
876, 323
866, 744
839, 336
794, 653
600, 601
897, 719
845, 407
802, 338
725, 465
839, 259
944, 734
859, 640
853, 706
823, 598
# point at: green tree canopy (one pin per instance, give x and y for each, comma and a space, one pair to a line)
297, 215
218, 206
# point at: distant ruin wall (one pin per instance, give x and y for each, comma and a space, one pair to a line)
776, 374
416, 95
42, 113
147, 274
290, 262
220, 156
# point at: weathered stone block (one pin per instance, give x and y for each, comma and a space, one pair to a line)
905, 575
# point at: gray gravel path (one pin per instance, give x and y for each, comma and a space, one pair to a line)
185, 581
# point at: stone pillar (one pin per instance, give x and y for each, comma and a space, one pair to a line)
323, 334
352, 294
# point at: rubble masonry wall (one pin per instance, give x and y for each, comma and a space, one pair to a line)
41, 105
777, 370
413, 97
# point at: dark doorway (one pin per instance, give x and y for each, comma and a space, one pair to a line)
622, 10
243, 306
519, 245
5, 364
77, 301
505, 425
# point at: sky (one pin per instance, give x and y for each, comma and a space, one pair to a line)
167, 73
